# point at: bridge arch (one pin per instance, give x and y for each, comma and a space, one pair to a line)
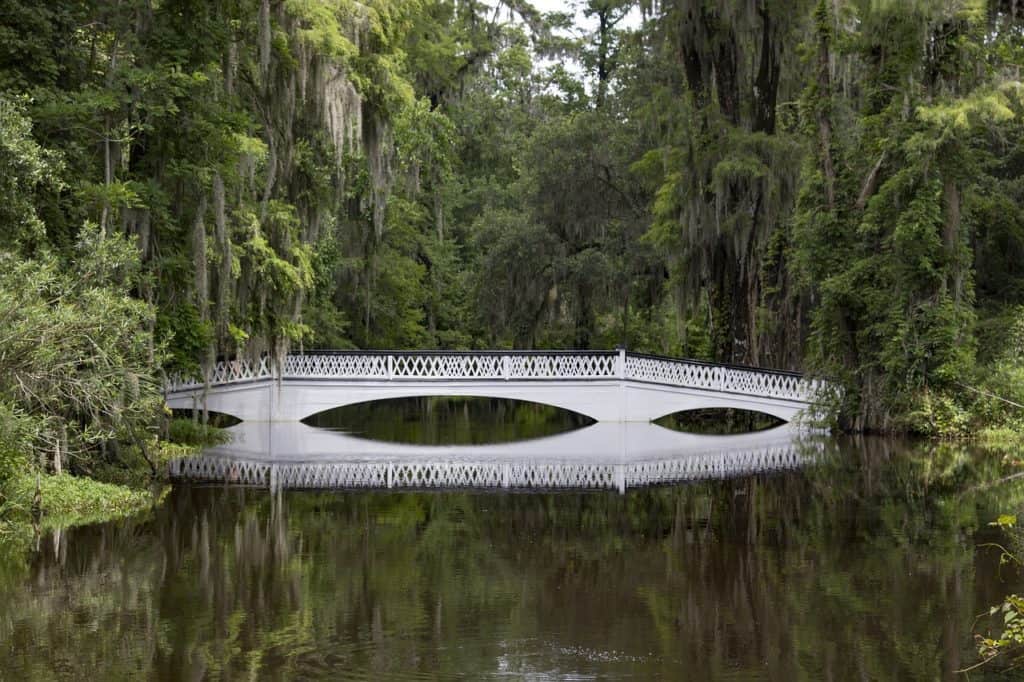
719, 421
510, 402
786, 413
594, 402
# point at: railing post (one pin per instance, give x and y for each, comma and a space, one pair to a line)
391, 475
391, 371
506, 366
621, 364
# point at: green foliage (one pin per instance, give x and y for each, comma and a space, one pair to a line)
892, 262
77, 367
67, 500
1007, 617
18, 434
185, 335
188, 432
828, 186
1012, 637
938, 415
25, 167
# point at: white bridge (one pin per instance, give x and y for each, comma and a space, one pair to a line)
607, 386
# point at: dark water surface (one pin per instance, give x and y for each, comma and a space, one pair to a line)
449, 420
863, 566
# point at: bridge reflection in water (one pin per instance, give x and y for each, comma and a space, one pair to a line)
612, 456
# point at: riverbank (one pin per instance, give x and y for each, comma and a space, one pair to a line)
31, 502
63, 500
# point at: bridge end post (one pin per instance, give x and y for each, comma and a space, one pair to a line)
620, 478
620, 372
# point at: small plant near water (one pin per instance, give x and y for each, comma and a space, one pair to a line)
188, 432
1009, 615
1012, 637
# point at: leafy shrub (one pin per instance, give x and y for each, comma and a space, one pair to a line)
17, 434
938, 415
75, 358
187, 432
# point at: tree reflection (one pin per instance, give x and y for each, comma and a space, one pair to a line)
863, 566
449, 420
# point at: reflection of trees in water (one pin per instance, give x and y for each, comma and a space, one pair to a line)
719, 421
861, 567
449, 420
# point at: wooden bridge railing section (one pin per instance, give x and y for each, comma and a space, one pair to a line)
513, 365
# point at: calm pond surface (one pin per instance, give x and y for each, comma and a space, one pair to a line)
862, 565
449, 421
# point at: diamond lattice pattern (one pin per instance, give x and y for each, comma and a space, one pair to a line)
510, 366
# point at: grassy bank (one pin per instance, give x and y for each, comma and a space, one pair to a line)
63, 500
31, 501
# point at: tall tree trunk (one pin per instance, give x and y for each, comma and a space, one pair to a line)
766, 84
108, 156
202, 293
224, 276
199, 261
951, 238
604, 28
824, 104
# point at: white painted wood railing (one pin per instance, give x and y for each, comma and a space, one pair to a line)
511, 365
744, 380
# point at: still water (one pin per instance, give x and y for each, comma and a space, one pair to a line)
862, 564
449, 420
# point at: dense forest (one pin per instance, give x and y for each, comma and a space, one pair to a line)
833, 186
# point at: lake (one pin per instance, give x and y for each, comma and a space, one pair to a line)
819, 558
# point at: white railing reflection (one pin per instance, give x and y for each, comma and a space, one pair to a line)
524, 475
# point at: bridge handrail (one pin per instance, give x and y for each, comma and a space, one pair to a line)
363, 351
708, 363
733, 379
460, 365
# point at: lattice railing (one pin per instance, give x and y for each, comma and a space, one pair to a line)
489, 474
455, 366
514, 365
337, 366
221, 470
762, 383
715, 466
225, 372
564, 366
